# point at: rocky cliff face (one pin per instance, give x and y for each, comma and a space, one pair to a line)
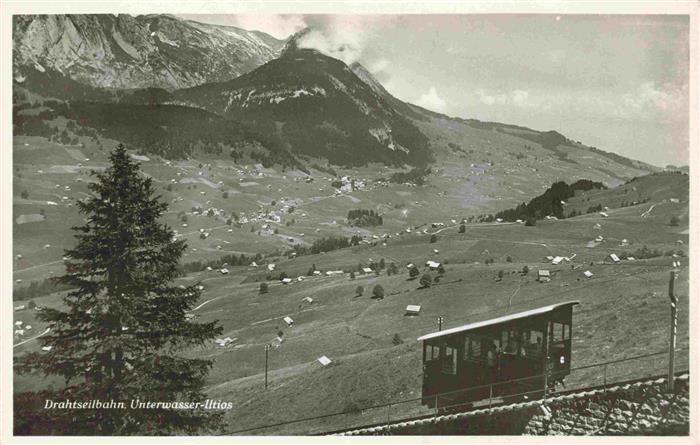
124, 51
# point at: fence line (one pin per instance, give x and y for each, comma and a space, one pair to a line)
386, 405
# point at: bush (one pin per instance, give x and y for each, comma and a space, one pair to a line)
378, 291
24, 194
224, 195
433, 238
675, 221
509, 259
359, 290
263, 288
352, 275
426, 280
413, 272
462, 228
530, 222
441, 270
500, 274
396, 340
526, 270
31, 304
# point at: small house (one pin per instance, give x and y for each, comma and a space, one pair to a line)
543, 276
325, 361
366, 270
432, 264
224, 271
615, 258
289, 321
308, 300
412, 309
588, 274
556, 260
286, 280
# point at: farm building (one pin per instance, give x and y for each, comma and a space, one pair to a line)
543, 276
412, 309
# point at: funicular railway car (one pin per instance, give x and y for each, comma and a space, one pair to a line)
497, 359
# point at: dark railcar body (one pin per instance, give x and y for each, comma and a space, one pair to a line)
480, 360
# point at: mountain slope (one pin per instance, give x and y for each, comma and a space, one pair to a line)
123, 51
318, 107
300, 105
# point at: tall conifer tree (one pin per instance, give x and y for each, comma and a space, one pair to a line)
121, 329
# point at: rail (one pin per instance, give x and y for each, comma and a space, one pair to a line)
581, 377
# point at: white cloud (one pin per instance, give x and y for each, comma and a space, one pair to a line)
432, 101
378, 66
647, 102
344, 37
516, 97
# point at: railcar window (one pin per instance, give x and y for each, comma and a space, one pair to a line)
567, 332
472, 349
533, 345
432, 352
512, 346
557, 332
449, 363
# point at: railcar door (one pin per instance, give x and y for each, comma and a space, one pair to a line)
431, 372
559, 350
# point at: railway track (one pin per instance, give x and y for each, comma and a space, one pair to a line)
447, 415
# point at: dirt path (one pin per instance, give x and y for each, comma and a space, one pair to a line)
37, 266
645, 214
208, 301
33, 338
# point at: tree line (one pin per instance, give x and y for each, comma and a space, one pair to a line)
550, 202
364, 218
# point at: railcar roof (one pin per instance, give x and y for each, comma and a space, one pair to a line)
499, 320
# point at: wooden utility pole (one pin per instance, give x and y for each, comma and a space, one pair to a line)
267, 349
546, 360
674, 331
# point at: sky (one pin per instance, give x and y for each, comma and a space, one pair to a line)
619, 83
